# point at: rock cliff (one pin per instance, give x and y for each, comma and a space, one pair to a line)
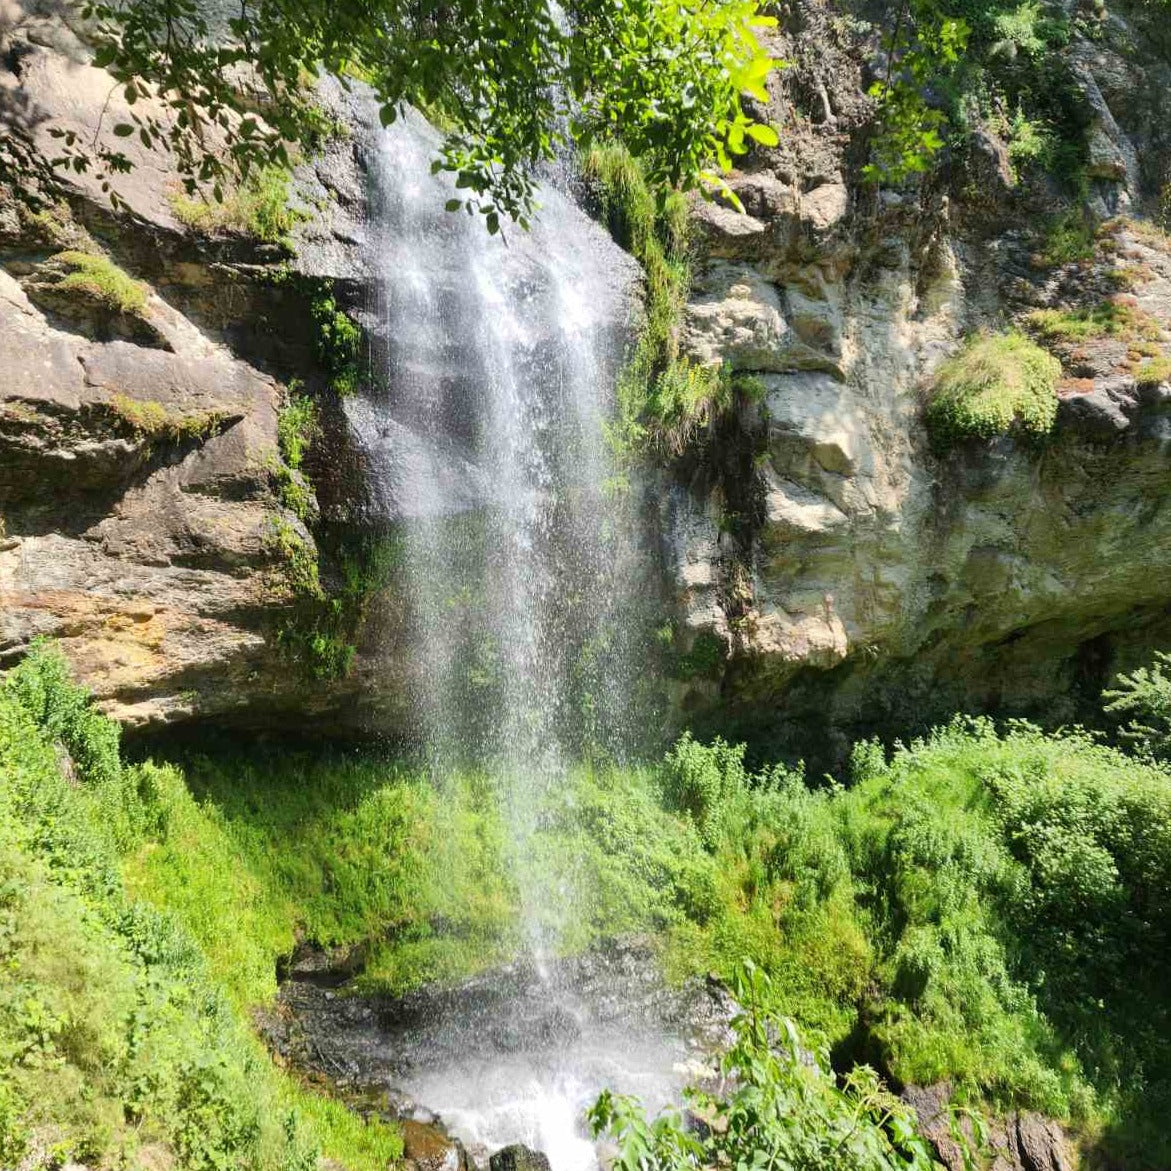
833, 570
142, 368
867, 578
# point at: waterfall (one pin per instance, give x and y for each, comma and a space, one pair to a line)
484, 435
485, 439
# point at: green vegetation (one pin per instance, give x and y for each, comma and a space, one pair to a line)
956, 67
1144, 695
259, 206
1069, 238
99, 279
115, 1038
298, 428
664, 398
149, 419
997, 383
779, 1106
515, 80
324, 618
338, 343
1113, 318
989, 909
980, 909
1153, 371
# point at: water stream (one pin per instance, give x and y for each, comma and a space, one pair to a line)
485, 439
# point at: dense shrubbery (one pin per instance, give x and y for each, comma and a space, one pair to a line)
997, 383
779, 1106
114, 1036
989, 909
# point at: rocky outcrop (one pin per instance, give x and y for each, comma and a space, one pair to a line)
1016, 1142
143, 366
886, 583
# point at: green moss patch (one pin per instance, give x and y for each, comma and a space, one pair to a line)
1113, 318
260, 207
153, 420
998, 383
98, 279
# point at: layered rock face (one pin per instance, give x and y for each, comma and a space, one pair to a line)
878, 581
140, 521
834, 573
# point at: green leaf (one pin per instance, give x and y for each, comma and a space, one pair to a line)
387, 115
763, 134
123, 130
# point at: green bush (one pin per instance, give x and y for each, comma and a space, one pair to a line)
997, 384
779, 1106
114, 1032
1145, 696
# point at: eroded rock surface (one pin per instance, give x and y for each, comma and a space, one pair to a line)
878, 582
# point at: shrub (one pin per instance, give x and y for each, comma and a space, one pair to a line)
703, 781
1145, 696
998, 383
113, 1029
779, 1105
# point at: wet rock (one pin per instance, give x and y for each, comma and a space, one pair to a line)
427, 1148
1016, 1142
518, 1158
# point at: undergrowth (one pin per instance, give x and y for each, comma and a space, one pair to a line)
987, 908
981, 909
117, 1044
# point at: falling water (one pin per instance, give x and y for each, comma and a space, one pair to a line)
485, 435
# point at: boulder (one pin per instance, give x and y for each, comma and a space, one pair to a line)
518, 1158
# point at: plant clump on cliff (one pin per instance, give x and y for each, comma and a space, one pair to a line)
259, 206
97, 278
996, 384
663, 395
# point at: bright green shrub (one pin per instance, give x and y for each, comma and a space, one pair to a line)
114, 1033
998, 383
779, 1106
1145, 696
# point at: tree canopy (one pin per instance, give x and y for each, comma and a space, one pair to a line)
514, 80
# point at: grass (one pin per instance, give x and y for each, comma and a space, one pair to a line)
1153, 371
1069, 238
996, 384
118, 1043
99, 279
663, 397
1113, 318
259, 207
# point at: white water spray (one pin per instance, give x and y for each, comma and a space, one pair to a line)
487, 452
